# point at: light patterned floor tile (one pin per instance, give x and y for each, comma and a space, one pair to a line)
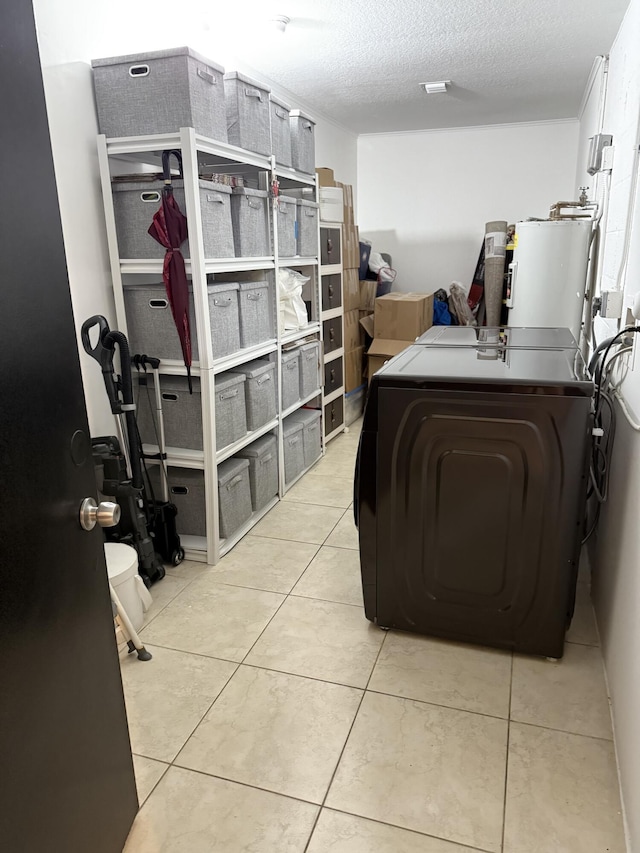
336, 832
569, 695
298, 522
189, 570
275, 731
192, 813
148, 773
319, 639
262, 563
461, 676
562, 794
211, 618
163, 592
167, 697
322, 491
345, 534
334, 575
434, 770
339, 464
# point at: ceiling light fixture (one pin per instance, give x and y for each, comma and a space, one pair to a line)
439, 88
279, 22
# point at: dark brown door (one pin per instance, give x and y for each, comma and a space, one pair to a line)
67, 783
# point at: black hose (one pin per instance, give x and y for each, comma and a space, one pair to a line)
594, 358
120, 339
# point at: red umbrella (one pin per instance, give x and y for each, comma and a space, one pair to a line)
169, 228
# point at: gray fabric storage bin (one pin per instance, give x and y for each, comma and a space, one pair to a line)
263, 470
256, 316
181, 412
286, 226
307, 228
186, 491
152, 330
231, 413
293, 443
247, 105
250, 222
280, 131
303, 142
160, 92
309, 361
259, 391
234, 495
290, 378
135, 202
311, 441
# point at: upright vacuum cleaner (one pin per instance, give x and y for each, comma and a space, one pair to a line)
139, 516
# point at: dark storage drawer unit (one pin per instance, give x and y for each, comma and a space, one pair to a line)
332, 376
332, 334
333, 415
329, 246
470, 490
331, 291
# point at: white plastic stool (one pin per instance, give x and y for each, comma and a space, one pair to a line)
129, 595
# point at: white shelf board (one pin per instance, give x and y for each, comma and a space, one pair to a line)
227, 544
325, 224
290, 337
301, 403
331, 313
335, 434
339, 392
297, 262
330, 269
335, 353
195, 547
230, 449
244, 355
173, 367
290, 485
153, 266
282, 172
222, 151
179, 457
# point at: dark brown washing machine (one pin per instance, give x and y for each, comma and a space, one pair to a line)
471, 484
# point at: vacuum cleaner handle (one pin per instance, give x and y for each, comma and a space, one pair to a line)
103, 329
103, 353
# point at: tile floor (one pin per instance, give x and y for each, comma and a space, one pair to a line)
275, 719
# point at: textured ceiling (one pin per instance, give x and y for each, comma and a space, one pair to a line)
362, 61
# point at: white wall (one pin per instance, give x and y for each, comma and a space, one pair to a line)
70, 34
616, 548
424, 197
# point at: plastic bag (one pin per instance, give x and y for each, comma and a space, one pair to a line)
458, 300
377, 264
293, 311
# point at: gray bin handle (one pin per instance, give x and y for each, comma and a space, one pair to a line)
215, 197
179, 490
256, 205
234, 482
171, 398
254, 297
158, 303
253, 93
266, 458
205, 75
307, 125
281, 114
228, 395
150, 196
141, 70
262, 379
219, 302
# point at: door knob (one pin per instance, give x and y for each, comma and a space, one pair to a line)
107, 514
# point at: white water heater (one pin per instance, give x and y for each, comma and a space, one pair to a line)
548, 274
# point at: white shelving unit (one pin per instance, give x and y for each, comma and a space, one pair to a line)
224, 159
333, 398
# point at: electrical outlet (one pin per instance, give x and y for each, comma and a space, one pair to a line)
612, 301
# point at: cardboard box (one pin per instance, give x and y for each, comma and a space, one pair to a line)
368, 291
353, 331
348, 212
366, 322
382, 350
325, 177
350, 290
403, 316
353, 369
350, 247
